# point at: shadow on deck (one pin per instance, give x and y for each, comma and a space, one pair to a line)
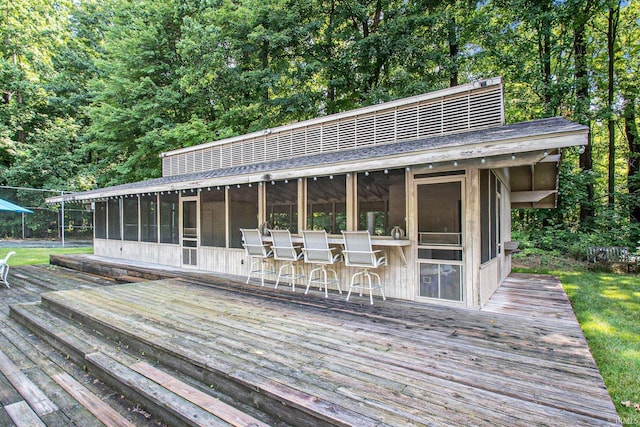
180, 341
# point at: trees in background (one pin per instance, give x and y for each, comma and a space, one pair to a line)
93, 91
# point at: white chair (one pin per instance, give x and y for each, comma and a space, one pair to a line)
258, 252
317, 251
283, 250
358, 253
4, 269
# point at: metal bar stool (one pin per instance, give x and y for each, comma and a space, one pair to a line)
359, 253
317, 251
258, 252
283, 250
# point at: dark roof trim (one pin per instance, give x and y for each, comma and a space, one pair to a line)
515, 138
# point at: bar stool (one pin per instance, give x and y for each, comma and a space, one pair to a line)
258, 252
317, 251
283, 250
358, 253
4, 269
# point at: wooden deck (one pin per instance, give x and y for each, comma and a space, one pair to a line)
288, 359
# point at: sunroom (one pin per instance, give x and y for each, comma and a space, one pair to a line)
442, 167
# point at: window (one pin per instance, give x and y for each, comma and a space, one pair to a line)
100, 220
282, 205
130, 218
327, 204
490, 215
169, 218
149, 219
113, 219
243, 212
212, 217
381, 201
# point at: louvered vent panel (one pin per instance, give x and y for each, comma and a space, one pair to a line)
184, 164
284, 145
236, 154
298, 142
215, 157
430, 119
407, 123
385, 127
247, 152
259, 149
314, 140
225, 156
205, 159
271, 149
365, 130
330, 137
486, 109
347, 134
467, 109
456, 114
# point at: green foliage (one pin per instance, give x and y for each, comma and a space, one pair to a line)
93, 91
607, 307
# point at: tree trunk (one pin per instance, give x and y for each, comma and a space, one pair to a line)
453, 51
582, 111
633, 165
614, 14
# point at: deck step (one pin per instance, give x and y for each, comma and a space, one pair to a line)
23, 416
175, 409
95, 405
161, 393
228, 374
192, 394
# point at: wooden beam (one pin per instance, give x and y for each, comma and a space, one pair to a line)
530, 196
22, 415
90, 401
38, 401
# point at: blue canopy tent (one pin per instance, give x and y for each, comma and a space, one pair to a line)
11, 207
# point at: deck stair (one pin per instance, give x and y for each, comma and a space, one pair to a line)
159, 391
194, 349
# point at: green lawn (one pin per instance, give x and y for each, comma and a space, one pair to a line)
30, 256
607, 306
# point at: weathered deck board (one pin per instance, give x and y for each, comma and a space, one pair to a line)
395, 362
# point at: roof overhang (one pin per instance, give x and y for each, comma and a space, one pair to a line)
511, 146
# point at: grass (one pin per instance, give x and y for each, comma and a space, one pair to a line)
30, 256
607, 306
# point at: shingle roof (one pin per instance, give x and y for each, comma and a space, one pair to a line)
531, 129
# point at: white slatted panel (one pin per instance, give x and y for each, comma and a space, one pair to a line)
284, 145
407, 123
271, 148
259, 149
298, 142
236, 154
455, 112
486, 109
473, 109
314, 139
225, 156
330, 137
386, 127
248, 156
365, 130
347, 134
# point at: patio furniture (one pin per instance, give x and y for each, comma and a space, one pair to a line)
317, 251
359, 253
258, 252
283, 250
4, 269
